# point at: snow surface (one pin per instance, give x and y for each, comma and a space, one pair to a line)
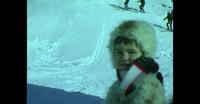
67, 43
44, 95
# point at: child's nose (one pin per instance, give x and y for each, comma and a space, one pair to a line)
126, 57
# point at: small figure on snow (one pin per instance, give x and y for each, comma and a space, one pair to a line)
169, 18
142, 3
126, 4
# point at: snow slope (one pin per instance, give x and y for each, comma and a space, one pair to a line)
67, 43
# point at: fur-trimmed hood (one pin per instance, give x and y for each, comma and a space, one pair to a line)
140, 31
148, 91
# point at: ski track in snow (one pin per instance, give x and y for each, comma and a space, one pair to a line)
99, 45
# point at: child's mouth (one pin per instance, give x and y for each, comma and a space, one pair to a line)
125, 66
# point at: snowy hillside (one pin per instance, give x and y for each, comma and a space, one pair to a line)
67, 42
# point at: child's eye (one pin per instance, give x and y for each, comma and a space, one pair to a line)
131, 52
119, 53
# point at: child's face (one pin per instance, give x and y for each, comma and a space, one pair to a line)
125, 54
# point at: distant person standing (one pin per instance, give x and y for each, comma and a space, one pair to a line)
126, 4
142, 5
169, 18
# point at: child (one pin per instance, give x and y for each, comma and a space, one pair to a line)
132, 47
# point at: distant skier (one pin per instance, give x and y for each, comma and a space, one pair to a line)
126, 4
141, 5
169, 18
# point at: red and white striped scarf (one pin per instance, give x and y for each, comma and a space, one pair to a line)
131, 77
